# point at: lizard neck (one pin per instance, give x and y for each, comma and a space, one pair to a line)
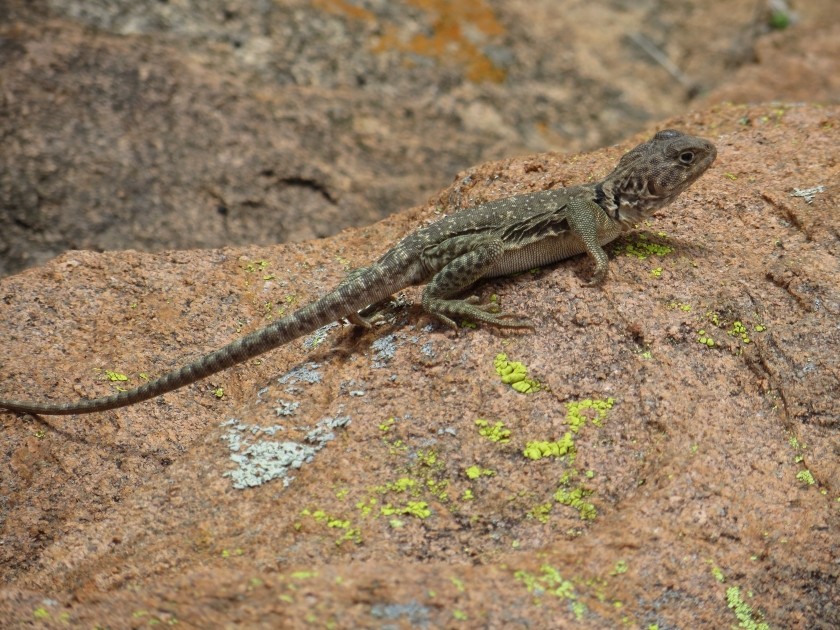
628, 199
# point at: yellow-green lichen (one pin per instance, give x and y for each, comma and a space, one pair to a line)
515, 374
115, 376
258, 265
551, 582
747, 619
458, 583
495, 432
538, 449
419, 509
428, 458
780, 19
350, 533
575, 417
739, 330
540, 512
41, 613
219, 392
397, 447
642, 248
366, 507
438, 487
575, 498
474, 472
401, 485
806, 477
577, 414
704, 338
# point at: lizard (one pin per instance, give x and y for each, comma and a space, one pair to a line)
451, 254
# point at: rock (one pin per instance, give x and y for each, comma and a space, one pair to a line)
706, 494
157, 125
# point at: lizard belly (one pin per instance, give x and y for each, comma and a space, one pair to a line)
543, 252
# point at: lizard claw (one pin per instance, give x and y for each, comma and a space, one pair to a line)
597, 278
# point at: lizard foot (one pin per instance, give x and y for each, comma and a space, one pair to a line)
361, 322
448, 311
597, 278
370, 315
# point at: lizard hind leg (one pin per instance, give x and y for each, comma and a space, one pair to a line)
462, 270
370, 315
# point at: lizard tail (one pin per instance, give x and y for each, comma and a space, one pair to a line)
348, 298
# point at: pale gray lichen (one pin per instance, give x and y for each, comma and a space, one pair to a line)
264, 461
307, 373
385, 348
260, 460
284, 408
413, 612
322, 433
316, 338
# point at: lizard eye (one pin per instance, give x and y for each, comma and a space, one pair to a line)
687, 157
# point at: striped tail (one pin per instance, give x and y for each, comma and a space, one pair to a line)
369, 286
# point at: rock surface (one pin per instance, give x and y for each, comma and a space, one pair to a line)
701, 488
155, 124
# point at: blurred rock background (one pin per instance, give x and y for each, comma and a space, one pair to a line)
172, 124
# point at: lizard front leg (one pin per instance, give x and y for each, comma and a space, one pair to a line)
592, 226
469, 260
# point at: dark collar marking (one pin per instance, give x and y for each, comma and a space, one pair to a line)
617, 202
601, 200
600, 197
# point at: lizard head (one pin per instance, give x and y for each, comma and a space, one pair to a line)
654, 173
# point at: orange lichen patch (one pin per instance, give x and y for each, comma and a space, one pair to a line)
474, 12
343, 7
451, 23
449, 41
